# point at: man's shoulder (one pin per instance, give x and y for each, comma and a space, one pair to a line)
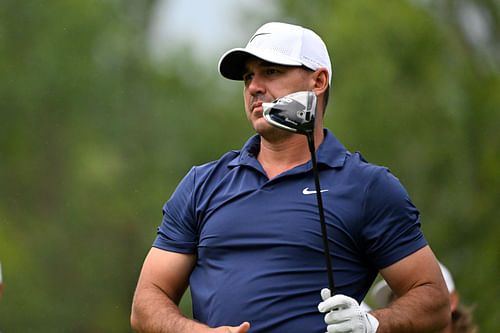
374, 178
356, 163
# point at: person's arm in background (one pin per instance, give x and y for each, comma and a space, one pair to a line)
423, 303
162, 282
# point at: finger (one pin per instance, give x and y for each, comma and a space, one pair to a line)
325, 294
243, 328
338, 316
337, 302
343, 328
330, 304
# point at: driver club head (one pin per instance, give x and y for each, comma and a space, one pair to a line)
294, 112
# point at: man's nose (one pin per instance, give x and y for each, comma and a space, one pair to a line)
256, 85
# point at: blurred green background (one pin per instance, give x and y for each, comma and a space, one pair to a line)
95, 134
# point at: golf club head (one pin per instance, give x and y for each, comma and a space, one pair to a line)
294, 113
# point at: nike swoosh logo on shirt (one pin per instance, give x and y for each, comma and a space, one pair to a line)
306, 191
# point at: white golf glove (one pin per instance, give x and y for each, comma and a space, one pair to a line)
345, 315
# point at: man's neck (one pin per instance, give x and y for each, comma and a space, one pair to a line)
279, 156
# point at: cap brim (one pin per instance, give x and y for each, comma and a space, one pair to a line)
232, 63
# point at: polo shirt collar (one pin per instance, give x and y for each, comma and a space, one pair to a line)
331, 152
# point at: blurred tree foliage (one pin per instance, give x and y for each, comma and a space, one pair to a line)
94, 137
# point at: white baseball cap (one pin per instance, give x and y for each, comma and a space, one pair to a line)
279, 43
382, 293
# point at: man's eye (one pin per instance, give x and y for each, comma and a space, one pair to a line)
247, 77
271, 71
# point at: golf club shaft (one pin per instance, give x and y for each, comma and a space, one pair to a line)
312, 148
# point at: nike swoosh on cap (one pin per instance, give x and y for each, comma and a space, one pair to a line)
262, 33
306, 191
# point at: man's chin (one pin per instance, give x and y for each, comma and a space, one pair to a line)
271, 133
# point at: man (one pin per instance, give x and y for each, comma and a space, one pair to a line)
461, 316
244, 231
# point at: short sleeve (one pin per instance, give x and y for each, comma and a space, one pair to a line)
392, 222
178, 232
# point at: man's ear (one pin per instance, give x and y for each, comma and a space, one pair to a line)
320, 77
454, 300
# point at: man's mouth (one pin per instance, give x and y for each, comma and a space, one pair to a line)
256, 106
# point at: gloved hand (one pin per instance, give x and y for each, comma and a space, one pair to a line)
345, 314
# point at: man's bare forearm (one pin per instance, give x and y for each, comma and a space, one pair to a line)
154, 312
423, 309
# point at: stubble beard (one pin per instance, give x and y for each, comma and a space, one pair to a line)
260, 125
267, 131
272, 134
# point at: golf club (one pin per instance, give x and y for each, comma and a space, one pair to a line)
297, 113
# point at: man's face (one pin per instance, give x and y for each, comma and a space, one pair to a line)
264, 82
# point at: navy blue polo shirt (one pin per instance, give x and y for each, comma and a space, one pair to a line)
258, 240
